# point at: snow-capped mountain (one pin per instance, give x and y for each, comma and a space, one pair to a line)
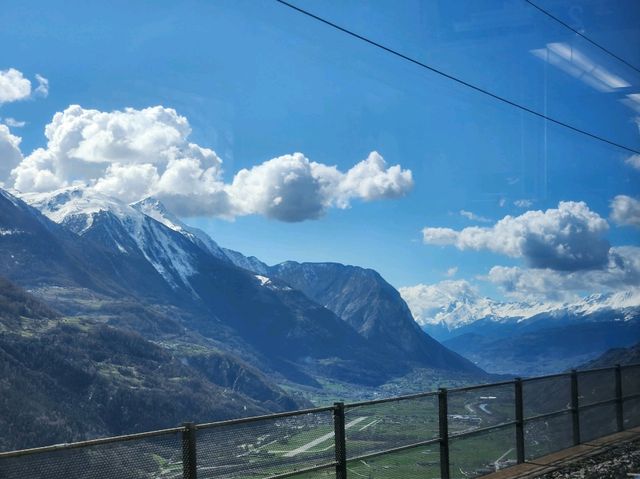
258, 310
525, 338
119, 227
40, 252
450, 307
156, 210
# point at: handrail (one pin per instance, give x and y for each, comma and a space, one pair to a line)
91, 442
391, 399
245, 420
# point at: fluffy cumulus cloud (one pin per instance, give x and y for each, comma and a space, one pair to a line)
570, 237
625, 211
293, 188
14, 86
621, 272
633, 161
10, 155
132, 153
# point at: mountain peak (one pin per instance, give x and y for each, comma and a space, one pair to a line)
73, 202
154, 208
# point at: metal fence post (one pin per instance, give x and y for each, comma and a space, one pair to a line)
189, 463
575, 407
341, 440
619, 402
443, 422
519, 421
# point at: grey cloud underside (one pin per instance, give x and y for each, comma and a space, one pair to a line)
570, 237
583, 251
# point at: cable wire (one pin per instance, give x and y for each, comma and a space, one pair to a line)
566, 25
458, 80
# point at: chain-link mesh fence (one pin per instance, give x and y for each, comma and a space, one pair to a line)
597, 387
542, 397
488, 429
546, 395
415, 463
546, 435
482, 453
630, 380
158, 457
480, 407
475, 451
631, 413
372, 428
266, 447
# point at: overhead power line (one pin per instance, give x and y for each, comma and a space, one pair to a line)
457, 80
566, 25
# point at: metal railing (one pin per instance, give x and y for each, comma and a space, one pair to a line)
394, 437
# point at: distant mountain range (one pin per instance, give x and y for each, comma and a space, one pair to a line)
525, 338
135, 274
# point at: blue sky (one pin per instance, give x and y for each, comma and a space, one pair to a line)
257, 80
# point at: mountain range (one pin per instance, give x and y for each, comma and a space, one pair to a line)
135, 276
110, 307
525, 338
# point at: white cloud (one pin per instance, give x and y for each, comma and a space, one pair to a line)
372, 180
625, 211
427, 301
451, 272
133, 153
633, 161
523, 203
13, 86
621, 271
43, 86
293, 188
474, 217
13, 123
128, 182
570, 237
288, 188
440, 236
10, 154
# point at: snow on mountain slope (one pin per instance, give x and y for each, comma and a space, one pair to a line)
250, 263
156, 210
453, 305
118, 226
